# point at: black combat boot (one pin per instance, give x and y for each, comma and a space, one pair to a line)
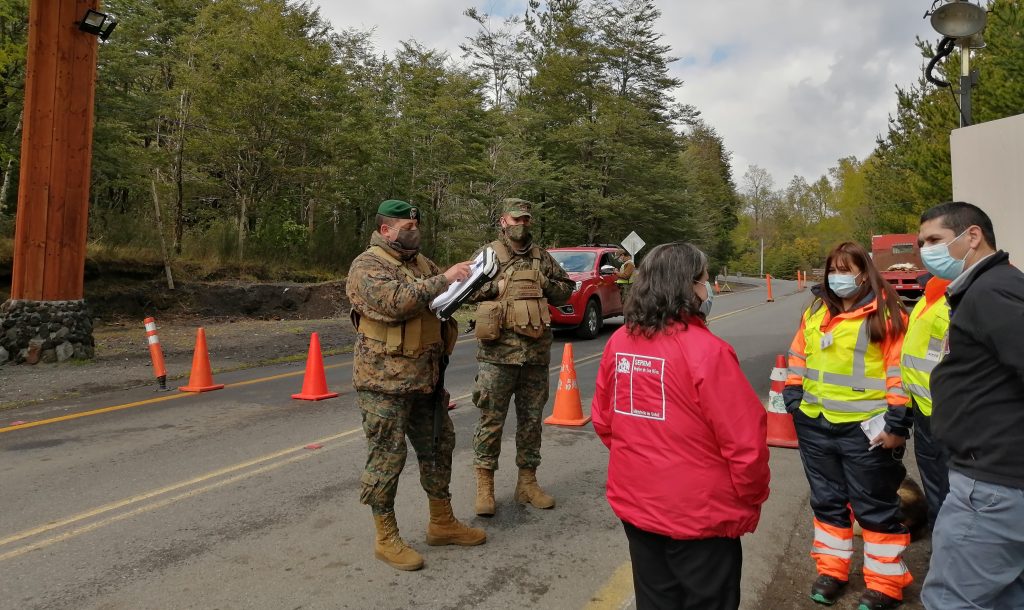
876, 600
827, 589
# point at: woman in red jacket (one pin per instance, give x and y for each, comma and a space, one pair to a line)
688, 464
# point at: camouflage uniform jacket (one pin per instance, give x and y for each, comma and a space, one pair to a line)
511, 347
381, 291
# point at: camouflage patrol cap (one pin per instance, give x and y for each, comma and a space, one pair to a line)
516, 207
393, 208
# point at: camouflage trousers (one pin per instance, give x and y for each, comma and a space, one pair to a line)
495, 386
387, 420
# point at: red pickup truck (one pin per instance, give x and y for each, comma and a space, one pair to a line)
898, 258
596, 296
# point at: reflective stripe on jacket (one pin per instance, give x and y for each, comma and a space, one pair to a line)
925, 343
845, 376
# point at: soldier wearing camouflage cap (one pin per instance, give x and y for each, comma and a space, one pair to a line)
396, 366
513, 327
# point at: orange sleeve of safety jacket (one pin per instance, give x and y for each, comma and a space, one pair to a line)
892, 349
797, 360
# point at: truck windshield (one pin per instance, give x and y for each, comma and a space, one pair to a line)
575, 262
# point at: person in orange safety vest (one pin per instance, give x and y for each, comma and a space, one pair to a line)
852, 421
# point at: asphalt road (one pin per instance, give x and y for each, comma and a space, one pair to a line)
215, 501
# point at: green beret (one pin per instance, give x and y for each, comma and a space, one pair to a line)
393, 208
516, 207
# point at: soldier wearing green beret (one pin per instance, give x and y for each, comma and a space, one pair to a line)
513, 327
396, 365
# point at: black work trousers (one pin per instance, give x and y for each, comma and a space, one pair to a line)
843, 473
671, 574
932, 462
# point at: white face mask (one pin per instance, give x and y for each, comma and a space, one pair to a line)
940, 263
844, 285
705, 305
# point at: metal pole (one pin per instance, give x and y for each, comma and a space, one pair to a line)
762, 257
965, 82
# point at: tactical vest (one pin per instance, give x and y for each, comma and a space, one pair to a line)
923, 348
846, 374
409, 337
626, 280
524, 308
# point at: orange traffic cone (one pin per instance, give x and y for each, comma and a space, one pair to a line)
717, 289
201, 379
781, 432
770, 298
314, 383
568, 407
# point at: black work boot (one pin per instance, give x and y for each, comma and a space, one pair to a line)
827, 589
876, 600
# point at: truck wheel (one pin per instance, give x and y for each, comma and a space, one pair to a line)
591, 324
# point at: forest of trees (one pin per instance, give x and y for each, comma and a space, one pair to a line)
265, 134
908, 171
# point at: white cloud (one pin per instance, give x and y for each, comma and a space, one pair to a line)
792, 85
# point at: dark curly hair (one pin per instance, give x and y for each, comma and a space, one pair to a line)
662, 291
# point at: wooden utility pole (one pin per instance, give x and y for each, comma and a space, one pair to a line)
56, 155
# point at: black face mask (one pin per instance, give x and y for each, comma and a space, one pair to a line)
408, 241
518, 233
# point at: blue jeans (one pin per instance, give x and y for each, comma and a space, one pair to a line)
977, 548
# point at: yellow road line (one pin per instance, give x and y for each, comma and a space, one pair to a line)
617, 592
149, 401
176, 486
155, 505
157, 492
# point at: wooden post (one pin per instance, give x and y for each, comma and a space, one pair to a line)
56, 154
46, 316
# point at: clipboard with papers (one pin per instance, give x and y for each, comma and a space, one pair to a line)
483, 269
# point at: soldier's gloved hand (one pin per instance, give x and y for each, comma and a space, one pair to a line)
501, 285
457, 272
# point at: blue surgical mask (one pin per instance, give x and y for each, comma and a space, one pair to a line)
940, 263
705, 306
843, 285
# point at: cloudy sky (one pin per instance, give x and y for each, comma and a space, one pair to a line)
792, 85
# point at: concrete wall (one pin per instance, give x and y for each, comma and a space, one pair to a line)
988, 171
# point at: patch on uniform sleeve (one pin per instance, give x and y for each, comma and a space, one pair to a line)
640, 386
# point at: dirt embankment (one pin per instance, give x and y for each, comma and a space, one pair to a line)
246, 324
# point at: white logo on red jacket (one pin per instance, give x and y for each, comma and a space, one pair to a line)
624, 366
640, 386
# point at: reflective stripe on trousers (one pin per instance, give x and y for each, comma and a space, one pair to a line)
884, 569
832, 549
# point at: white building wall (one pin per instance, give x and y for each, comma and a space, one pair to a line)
988, 171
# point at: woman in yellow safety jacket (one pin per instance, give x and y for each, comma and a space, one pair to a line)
844, 371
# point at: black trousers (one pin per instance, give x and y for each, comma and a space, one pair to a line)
932, 462
841, 470
673, 574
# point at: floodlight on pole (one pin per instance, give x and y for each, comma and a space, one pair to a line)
959, 19
961, 24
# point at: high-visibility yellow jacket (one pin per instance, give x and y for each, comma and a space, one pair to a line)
925, 343
845, 376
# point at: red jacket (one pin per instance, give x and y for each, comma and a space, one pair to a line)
687, 434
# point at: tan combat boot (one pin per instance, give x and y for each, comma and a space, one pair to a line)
527, 490
444, 528
389, 546
485, 492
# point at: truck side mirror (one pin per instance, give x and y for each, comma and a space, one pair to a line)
607, 270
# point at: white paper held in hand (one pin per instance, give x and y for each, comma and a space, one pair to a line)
872, 428
483, 268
